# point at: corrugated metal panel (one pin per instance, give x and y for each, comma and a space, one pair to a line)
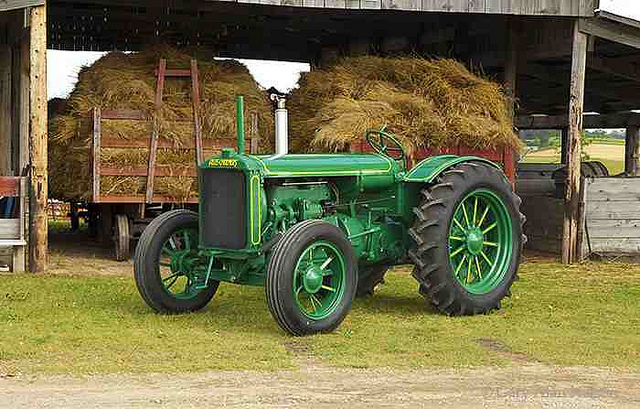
6, 5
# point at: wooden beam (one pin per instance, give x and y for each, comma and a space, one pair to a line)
618, 18
632, 151
619, 120
38, 121
616, 68
576, 103
6, 5
612, 31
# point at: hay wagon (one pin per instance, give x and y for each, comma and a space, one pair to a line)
129, 165
121, 218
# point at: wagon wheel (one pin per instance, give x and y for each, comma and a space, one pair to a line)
121, 237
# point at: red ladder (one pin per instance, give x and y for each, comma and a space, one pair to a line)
163, 73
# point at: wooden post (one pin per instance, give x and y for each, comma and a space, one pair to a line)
511, 79
95, 155
6, 108
576, 103
38, 138
21, 129
25, 77
564, 145
632, 151
511, 65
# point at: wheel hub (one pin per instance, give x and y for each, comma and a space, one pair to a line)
312, 279
475, 241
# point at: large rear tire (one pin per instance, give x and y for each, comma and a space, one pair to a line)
468, 240
311, 278
167, 249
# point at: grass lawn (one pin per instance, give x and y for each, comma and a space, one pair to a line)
581, 315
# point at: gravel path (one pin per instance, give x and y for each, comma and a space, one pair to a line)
527, 386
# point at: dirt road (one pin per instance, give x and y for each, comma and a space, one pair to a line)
529, 386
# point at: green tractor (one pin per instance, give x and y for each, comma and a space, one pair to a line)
317, 230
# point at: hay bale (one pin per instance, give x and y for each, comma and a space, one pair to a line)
425, 103
128, 81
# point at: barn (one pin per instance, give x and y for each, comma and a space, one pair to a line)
558, 58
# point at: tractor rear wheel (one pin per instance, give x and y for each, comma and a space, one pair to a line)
166, 261
311, 278
369, 277
468, 240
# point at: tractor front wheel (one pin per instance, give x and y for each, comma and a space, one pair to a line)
167, 267
468, 240
311, 278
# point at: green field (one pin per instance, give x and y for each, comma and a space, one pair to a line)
609, 151
579, 315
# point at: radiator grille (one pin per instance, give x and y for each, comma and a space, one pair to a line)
223, 209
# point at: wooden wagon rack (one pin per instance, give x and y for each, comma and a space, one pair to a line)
119, 217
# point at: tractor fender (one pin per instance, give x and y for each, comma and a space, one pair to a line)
430, 168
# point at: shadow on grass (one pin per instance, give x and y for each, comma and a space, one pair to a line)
394, 304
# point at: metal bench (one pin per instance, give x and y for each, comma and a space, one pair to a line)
12, 218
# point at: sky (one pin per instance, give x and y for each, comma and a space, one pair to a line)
626, 8
63, 66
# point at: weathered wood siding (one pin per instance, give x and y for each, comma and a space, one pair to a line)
523, 7
613, 215
543, 227
6, 5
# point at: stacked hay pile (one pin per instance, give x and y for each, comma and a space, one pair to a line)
425, 103
128, 81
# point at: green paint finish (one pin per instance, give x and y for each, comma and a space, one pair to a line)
475, 241
319, 280
480, 241
301, 165
327, 165
368, 196
240, 123
178, 265
429, 169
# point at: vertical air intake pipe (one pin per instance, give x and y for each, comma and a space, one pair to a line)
282, 125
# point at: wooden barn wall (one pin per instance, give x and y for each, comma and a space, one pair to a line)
524, 7
613, 215
543, 227
5, 97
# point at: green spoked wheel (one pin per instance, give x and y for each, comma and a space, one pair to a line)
319, 279
311, 278
480, 241
467, 240
178, 263
169, 274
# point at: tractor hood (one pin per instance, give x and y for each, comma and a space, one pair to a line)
305, 165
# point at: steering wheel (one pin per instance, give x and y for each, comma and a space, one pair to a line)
386, 144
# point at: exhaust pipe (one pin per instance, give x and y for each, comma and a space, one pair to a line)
282, 125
